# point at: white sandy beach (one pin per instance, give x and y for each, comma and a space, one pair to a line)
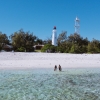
17, 60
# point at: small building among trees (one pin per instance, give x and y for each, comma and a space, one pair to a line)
7, 47
38, 47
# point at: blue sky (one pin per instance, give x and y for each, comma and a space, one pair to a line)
40, 16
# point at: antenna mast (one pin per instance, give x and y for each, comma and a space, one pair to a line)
77, 25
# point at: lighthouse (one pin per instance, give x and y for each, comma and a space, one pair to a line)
54, 36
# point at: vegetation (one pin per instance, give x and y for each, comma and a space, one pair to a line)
49, 48
21, 49
24, 41
3, 40
74, 44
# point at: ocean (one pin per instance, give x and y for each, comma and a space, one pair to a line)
47, 84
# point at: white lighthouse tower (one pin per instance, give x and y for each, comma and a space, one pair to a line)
54, 36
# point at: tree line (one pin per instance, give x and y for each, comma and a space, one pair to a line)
20, 40
74, 43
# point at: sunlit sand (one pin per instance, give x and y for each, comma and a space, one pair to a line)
16, 60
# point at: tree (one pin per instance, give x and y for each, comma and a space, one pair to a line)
23, 39
79, 45
75, 38
68, 46
47, 41
49, 48
38, 41
94, 46
3, 40
62, 37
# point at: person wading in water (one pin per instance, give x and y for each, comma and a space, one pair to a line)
55, 68
60, 69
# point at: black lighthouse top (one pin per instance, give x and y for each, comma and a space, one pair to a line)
54, 27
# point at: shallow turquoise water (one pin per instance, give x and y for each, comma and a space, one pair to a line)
45, 84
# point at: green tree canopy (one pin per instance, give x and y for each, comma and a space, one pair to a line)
3, 40
94, 46
62, 37
49, 48
38, 41
23, 39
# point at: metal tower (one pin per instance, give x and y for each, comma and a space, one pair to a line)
77, 25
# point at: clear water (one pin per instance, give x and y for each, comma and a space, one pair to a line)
45, 84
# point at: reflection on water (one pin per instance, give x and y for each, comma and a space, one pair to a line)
46, 84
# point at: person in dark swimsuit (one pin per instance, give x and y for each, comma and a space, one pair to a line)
60, 69
55, 68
